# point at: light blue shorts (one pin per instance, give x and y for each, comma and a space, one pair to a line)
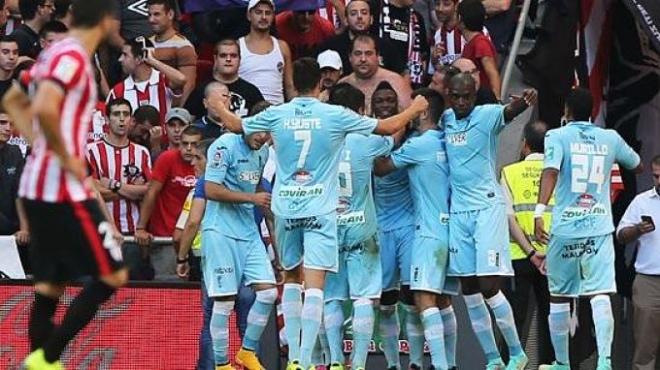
227, 263
395, 254
357, 277
311, 241
479, 243
429, 266
581, 267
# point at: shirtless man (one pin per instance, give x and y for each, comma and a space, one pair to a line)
367, 73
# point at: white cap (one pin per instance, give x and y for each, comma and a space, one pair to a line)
254, 3
329, 59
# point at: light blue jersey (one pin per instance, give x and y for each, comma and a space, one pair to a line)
584, 154
472, 153
356, 214
233, 164
425, 157
394, 204
308, 137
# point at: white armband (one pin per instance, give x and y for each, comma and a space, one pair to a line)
539, 210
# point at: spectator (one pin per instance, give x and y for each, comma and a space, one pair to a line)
449, 42
226, 62
8, 61
266, 61
303, 29
479, 49
358, 15
35, 14
172, 178
149, 80
330, 64
11, 167
121, 170
62, 12
520, 186
172, 48
484, 95
175, 123
501, 22
637, 227
404, 29
133, 18
147, 129
4, 18
211, 124
439, 77
367, 74
51, 32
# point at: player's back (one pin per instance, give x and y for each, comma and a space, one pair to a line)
308, 138
356, 213
429, 181
394, 204
67, 64
584, 155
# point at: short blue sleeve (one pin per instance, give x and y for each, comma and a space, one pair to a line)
410, 153
355, 123
554, 152
380, 146
260, 122
495, 114
625, 155
199, 193
219, 160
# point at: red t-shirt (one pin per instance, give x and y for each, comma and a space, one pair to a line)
479, 47
177, 177
303, 44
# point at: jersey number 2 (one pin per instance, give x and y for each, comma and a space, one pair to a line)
585, 171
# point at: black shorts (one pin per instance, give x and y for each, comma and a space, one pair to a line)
69, 241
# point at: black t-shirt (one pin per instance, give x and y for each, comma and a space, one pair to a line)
4, 86
210, 129
11, 167
134, 18
28, 41
342, 44
244, 95
398, 34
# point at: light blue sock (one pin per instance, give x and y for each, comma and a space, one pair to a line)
482, 326
415, 335
324, 346
258, 317
435, 337
333, 320
363, 330
601, 310
504, 319
317, 353
559, 322
292, 310
312, 313
220, 330
451, 330
389, 328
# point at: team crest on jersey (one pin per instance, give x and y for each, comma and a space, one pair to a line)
458, 139
586, 201
302, 177
216, 161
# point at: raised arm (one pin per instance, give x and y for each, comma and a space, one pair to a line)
519, 104
176, 79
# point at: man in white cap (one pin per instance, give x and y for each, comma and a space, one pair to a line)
331, 71
265, 61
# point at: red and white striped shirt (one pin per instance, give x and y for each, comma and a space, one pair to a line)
155, 92
130, 165
453, 42
43, 179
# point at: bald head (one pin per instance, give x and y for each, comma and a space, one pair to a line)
467, 66
462, 94
215, 86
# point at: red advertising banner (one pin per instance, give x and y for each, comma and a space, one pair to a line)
155, 328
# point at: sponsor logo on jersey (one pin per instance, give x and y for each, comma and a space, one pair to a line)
251, 177
458, 139
351, 218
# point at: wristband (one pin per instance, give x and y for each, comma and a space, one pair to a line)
180, 261
539, 210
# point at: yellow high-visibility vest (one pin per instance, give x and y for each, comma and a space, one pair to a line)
523, 179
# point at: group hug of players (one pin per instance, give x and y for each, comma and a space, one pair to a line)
327, 233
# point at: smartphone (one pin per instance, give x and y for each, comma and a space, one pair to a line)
143, 41
648, 219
